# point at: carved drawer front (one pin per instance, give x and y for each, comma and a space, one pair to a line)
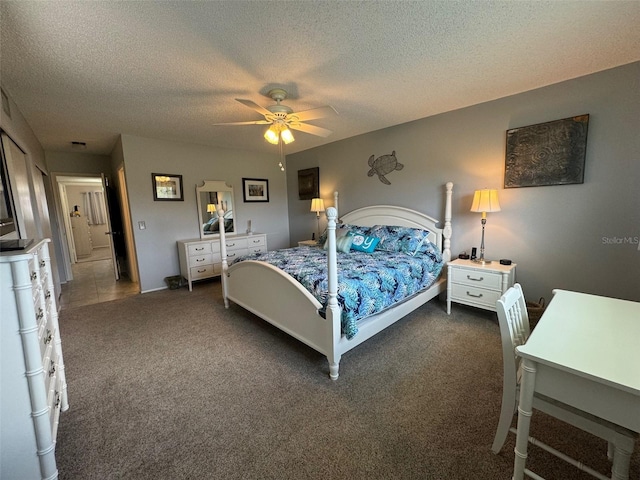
472, 294
236, 244
199, 248
203, 271
200, 260
477, 278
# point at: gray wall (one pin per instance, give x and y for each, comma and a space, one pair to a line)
168, 222
560, 236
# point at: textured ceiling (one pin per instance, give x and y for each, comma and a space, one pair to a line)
91, 70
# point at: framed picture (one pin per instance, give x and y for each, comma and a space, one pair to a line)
309, 183
551, 153
167, 187
255, 189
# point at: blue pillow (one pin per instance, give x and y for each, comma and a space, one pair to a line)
400, 239
363, 243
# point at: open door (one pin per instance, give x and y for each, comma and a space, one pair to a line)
114, 220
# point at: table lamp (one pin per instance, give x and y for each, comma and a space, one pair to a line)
211, 209
484, 201
317, 206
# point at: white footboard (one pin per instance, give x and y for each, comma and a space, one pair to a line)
260, 288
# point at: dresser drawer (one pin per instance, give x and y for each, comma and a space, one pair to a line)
233, 254
200, 260
257, 241
472, 295
203, 271
236, 243
199, 248
477, 278
50, 367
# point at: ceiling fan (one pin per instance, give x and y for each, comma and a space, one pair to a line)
282, 118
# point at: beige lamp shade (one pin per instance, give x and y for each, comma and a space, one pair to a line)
485, 200
317, 205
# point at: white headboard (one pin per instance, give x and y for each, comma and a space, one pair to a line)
405, 217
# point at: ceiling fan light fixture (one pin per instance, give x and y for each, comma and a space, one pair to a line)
287, 136
271, 135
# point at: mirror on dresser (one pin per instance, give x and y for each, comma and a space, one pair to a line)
209, 196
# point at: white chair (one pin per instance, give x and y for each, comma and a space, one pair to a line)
514, 331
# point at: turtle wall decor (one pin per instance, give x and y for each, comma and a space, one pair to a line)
383, 165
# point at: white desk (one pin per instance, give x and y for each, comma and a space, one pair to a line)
583, 352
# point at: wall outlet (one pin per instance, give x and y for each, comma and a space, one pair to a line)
142, 225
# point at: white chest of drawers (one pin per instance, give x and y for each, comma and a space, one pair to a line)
478, 285
200, 259
33, 388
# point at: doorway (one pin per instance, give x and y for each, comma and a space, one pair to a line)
95, 254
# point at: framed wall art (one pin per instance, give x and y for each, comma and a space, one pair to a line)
167, 187
551, 153
255, 189
309, 183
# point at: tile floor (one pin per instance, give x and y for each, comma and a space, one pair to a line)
94, 282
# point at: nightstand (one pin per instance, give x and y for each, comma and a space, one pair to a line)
308, 243
478, 285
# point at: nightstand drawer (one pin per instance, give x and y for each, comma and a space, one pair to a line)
476, 278
476, 296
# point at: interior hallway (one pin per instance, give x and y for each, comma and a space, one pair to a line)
94, 282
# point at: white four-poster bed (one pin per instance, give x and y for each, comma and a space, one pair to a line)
278, 298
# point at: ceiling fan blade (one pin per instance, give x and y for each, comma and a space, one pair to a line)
314, 113
312, 129
255, 122
255, 106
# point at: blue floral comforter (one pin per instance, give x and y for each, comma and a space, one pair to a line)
368, 283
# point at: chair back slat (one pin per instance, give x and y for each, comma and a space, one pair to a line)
514, 330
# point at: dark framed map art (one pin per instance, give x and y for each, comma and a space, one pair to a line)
551, 153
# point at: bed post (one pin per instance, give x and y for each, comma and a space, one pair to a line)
333, 309
446, 231
223, 255
335, 205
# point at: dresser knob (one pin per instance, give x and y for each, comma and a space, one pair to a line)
48, 337
469, 277
40, 314
52, 370
34, 275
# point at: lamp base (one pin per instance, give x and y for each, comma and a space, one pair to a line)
481, 261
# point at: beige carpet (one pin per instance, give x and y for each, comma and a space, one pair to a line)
170, 385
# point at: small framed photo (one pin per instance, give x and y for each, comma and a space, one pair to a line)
309, 183
255, 189
167, 187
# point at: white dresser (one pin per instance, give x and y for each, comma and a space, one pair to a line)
200, 259
478, 285
33, 389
